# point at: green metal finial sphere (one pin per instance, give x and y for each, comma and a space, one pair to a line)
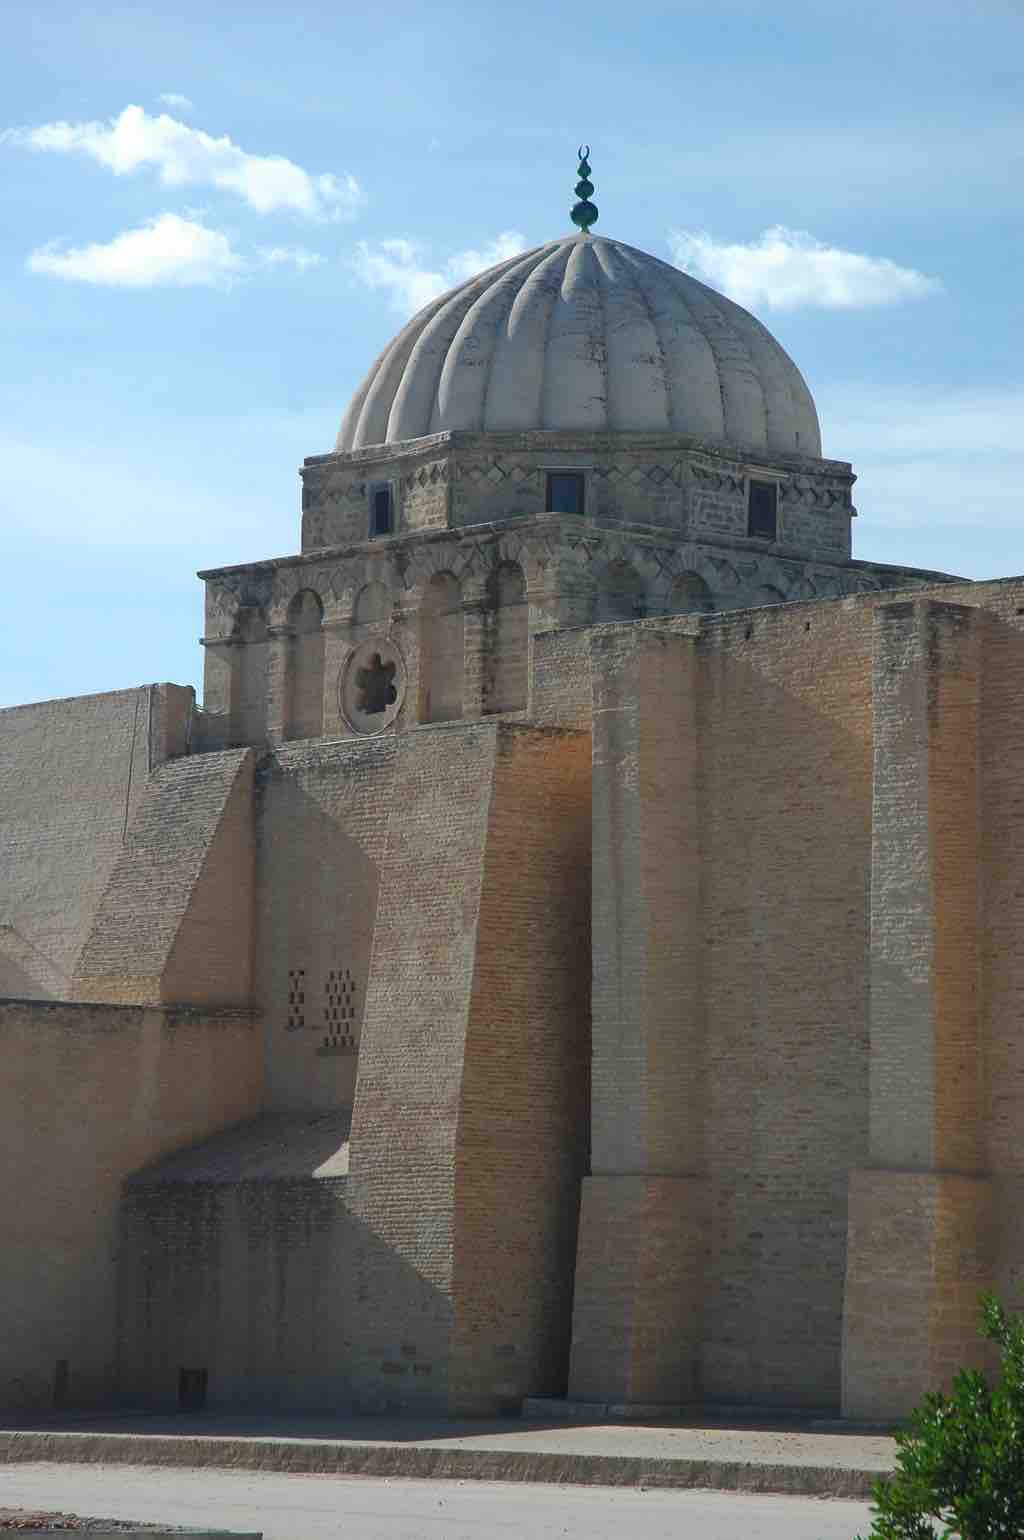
584, 213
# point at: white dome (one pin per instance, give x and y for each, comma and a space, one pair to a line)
585, 333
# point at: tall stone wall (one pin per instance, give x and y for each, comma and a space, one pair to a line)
446, 872
521, 1141
787, 735
732, 784
402, 1183
91, 1093
852, 1079
639, 1271
469, 1072
235, 1260
323, 814
72, 773
1001, 924
934, 1217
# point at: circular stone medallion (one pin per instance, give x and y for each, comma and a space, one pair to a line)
372, 686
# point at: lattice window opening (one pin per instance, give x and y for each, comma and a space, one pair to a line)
339, 1012
296, 999
376, 686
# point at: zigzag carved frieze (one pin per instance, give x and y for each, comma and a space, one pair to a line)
496, 473
719, 481
432, 475
637, 474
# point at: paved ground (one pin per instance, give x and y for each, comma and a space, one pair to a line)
293, 1507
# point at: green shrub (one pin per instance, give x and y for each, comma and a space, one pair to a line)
961, 1463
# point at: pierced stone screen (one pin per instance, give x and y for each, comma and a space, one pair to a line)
339, 1012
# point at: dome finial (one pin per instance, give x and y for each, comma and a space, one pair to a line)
584, 213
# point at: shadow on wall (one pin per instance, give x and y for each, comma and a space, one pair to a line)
304, 685
786, 855
690, 595
621, 594
442, 650
318, 902
262, 1293
26, 973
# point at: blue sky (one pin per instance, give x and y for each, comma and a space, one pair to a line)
192, 290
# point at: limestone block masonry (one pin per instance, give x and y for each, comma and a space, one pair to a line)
575, 947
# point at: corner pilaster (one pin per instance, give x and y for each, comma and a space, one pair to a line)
636, 1323
918, 1236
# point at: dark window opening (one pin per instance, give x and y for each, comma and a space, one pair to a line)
380, 510
191, 1390
376, 686
763, 510
565, 492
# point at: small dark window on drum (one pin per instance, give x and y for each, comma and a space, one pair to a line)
763, 509
381, 509
565, 492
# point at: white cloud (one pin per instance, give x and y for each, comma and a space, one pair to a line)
185, 156
787, 269
168, 250
289, 256
397, 266
175, 99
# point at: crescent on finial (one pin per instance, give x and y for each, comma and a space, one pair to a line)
584, 213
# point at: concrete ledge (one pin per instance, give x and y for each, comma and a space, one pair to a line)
323, 1457
561, 1409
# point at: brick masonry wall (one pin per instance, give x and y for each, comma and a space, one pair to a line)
785, 728
396, 834
234, 1280
521, 1142
1001, 922
945, 1062
560, 678
920, 1252
636, 1326
925, 1082
236, 1259
322, 824
72, 773
175, 922
402, 1183
91, 1093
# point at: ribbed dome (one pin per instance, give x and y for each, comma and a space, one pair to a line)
585, 333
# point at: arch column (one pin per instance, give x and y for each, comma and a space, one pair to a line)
474, 641
218, 666
279, 641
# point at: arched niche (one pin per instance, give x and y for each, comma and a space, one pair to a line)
372, 606
621, 594
442, 648
305, 686
506, 671
690, 595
